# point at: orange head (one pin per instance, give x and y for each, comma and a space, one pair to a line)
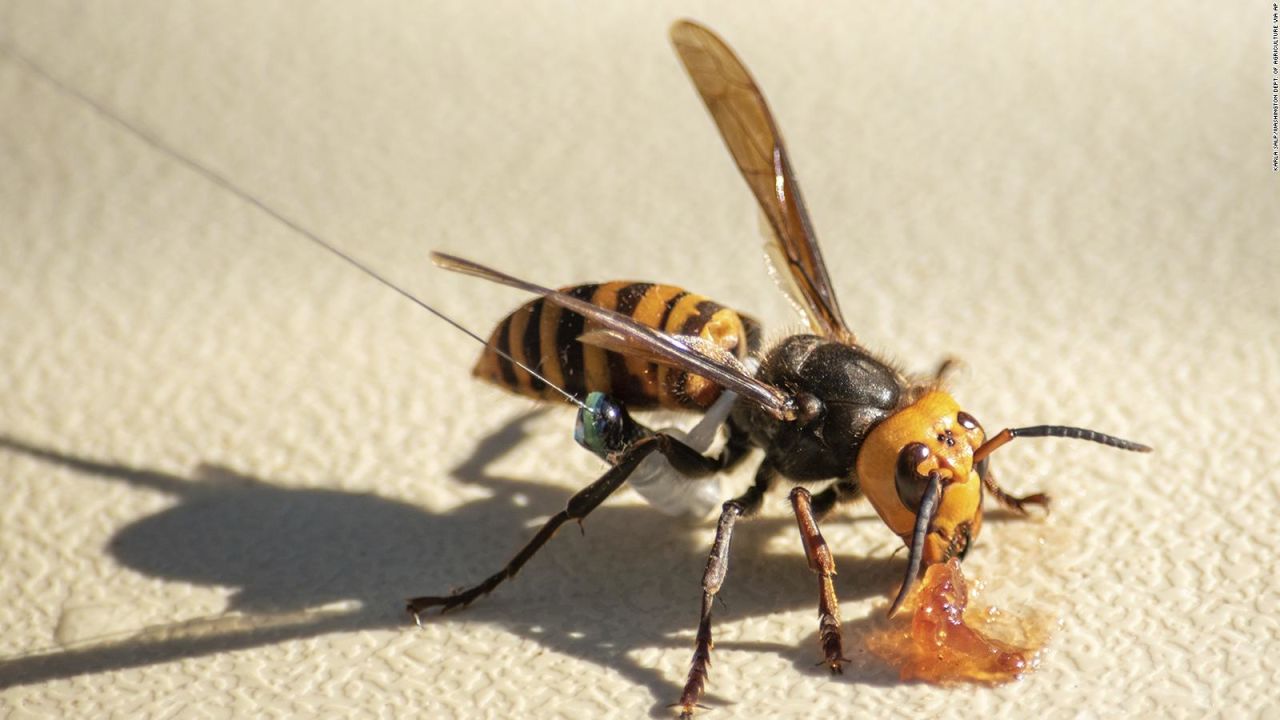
917, 468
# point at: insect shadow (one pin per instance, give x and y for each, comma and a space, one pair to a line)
292, 553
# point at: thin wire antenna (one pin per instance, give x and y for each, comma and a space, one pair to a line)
226, 184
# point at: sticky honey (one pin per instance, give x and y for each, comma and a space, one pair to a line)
943, 641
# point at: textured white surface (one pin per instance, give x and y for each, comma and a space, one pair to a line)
227, 457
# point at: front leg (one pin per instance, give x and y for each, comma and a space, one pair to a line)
821, 562
1013, 502
713, 577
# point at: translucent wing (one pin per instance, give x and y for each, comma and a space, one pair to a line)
620, 333
748, 129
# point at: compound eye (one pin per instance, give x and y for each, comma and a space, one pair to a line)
910, 483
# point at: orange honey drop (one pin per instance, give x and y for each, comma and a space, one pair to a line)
942, 644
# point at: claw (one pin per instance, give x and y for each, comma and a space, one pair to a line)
686, 711
1019, 503
836, 664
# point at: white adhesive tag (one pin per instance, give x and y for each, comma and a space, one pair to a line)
671, 492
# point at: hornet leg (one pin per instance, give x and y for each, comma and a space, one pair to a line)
579, 506
713, 577
1013, 502
821, 562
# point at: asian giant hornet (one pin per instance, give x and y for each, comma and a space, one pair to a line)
820, 406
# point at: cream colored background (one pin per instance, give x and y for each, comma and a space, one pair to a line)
227, 456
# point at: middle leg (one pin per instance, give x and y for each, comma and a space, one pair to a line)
713, 577
821, 562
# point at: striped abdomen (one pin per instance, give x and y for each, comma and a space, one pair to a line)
544, 336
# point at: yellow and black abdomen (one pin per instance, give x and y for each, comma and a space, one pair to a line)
544, 336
